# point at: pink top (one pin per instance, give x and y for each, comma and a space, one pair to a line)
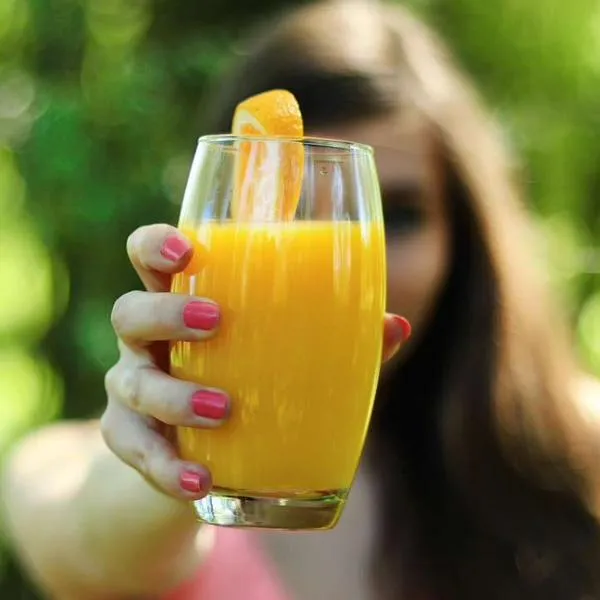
236, 568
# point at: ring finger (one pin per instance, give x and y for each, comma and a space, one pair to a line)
146, 389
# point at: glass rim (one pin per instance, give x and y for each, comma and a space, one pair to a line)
319, 142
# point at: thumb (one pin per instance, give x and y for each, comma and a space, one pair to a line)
396, 330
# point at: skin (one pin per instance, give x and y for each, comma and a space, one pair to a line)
54, 488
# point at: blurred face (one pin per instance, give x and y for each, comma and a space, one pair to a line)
417, 224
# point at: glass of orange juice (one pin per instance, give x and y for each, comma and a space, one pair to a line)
289, 241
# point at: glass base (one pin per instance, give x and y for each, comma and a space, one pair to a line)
231, 508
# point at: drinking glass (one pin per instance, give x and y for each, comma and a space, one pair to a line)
301, 287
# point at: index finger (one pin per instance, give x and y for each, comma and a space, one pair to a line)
157, 252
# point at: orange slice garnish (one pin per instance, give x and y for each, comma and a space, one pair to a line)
268, 178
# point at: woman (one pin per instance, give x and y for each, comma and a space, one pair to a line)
482, 475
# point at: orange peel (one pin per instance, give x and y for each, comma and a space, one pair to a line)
268, 174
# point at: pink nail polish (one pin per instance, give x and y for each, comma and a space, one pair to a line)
405, 327
210, 404
191, 481
201, 315
395, 336
175, 248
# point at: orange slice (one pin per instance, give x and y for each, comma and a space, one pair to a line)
268, 178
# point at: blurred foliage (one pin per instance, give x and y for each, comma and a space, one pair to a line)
98, 102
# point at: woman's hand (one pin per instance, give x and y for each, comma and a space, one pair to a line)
144, 401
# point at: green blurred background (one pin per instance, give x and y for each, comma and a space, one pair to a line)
99, 101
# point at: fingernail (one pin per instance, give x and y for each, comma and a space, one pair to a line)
210, 404
405, 328
192, 482
201, 315
175, 248
395, 337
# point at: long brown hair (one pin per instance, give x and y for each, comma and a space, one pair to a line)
481, 486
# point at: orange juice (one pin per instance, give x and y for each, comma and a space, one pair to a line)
298, 350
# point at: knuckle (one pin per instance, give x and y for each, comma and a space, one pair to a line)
121, 311
133, 245
123, 384
135, 241
129, 387
124, 447
149, 460
139, 461
110, 380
